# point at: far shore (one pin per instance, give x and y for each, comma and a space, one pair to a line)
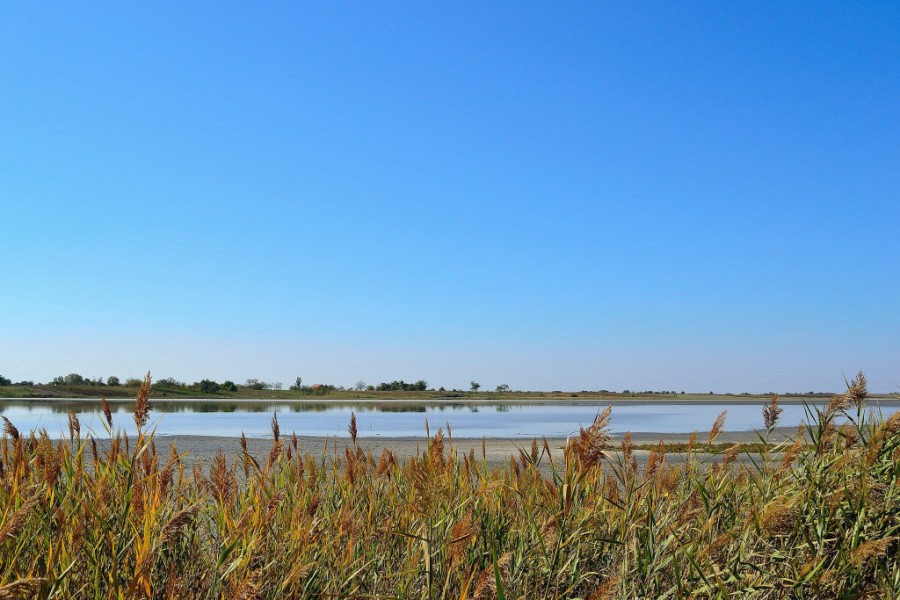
481, 399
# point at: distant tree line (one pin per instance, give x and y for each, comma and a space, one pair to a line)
401, 386
5, 381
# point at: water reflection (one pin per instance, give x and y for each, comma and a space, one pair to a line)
391, 419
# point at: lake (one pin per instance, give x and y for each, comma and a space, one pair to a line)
393, 419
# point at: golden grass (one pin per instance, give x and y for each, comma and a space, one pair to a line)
813, 519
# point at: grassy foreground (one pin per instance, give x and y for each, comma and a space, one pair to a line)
816, 519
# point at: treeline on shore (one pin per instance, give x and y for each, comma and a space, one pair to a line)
115, 386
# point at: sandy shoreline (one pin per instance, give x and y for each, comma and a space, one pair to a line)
496, 451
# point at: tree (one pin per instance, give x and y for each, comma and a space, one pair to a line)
207, 386
360, 386
228, 386
474, 385
5, 381
112, 381
256, 384
298, 385
503, 388
72, 379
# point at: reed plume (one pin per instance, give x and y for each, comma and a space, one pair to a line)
10, 429
351, 429
276, 430
771, 412
717, 427
142, 405
107, 412
593, 443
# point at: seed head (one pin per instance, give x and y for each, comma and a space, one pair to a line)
10, 429
717, 427
142, 405
771, 412
107, 413
352, 428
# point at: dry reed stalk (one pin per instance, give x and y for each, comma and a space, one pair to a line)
142, 405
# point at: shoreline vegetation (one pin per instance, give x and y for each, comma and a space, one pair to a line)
75, 386
247, 394
816, 516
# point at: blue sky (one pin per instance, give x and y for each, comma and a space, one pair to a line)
571, 196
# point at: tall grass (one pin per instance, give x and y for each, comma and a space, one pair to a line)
813, 518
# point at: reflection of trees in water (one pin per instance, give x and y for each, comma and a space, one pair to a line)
502, 408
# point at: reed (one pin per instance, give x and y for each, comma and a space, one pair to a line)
814, 517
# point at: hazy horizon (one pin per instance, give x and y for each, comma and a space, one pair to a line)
623, 196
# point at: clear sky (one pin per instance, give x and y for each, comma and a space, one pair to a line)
692, 196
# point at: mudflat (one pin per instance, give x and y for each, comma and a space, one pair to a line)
495, 451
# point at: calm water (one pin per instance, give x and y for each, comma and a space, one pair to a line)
230, 418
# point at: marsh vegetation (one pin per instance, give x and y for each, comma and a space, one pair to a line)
816, 517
